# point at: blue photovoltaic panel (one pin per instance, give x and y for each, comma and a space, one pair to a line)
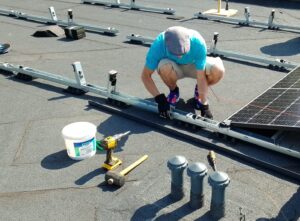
277, 108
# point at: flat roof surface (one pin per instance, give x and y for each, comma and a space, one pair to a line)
38, 181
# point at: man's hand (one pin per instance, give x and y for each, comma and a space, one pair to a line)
163, 106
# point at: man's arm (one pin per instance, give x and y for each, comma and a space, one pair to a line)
161, 100
148, 82
202, 86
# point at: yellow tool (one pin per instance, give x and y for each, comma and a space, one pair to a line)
211, 157
110, 143
118, 179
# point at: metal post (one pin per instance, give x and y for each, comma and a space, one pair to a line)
247, 15
215, 41
132, 3
197, 172
78, 71
112, 81
70, 16
53, 13
177, 165
271, 19
218, 181
219, 6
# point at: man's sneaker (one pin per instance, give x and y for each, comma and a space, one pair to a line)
4, 48
204, 109
173, 96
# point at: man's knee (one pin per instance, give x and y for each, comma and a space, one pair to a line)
216, 74
165, 68
215, 77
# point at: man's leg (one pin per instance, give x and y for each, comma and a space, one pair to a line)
170, 73
215, 75
202, 108
214, 70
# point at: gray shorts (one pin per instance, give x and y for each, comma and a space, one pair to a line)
182, 70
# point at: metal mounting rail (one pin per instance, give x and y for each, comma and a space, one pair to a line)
213, 51
54, 20
248, 21
193, 138
132, 6
110, 92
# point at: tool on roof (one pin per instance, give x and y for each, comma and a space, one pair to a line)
118, 179
211, 157
109, 144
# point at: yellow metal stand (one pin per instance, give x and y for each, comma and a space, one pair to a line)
220, 11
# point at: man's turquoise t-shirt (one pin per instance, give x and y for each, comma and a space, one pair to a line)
196, 55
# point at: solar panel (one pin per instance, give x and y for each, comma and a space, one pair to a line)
276, 108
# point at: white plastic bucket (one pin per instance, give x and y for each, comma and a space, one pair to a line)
80, 140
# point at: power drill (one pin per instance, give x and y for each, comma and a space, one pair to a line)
109, 143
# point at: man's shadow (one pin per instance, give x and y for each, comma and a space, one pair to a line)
290, 211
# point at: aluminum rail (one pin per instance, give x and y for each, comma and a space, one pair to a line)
254, 58
196, 139
91, 28
24, 16
140, 39
149, 106
249, 22
230, 20
134, 38
132, 6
